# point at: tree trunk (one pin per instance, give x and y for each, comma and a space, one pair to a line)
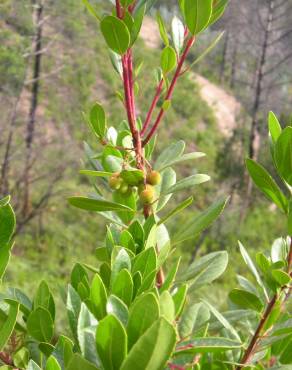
30, 128
224, 58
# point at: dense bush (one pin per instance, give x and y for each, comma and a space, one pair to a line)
125, 312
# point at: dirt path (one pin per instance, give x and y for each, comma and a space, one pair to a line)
225, 106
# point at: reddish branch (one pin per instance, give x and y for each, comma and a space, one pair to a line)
171, 88
257, 335
152, 107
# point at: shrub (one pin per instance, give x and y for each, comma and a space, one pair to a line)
125, 312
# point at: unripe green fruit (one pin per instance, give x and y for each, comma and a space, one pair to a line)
153, 178
115, 182
147, 195
124, 188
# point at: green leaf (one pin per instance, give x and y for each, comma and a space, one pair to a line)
7, 224
200, 222
281, 277
197, 14
172, 151
193, 316
5, 255
252, 268
86, 329
44, 298
120, 260
217, 11
222, 320
21, 358
263, 180
97, 205
170, 277
208, 50
205, 269
117, 307
186, 183
143, 313
116, 34
4, 201
95, 173
111, 342
78, 362
98, 297
168, 178
167, 308
179, 298
123, 286
279, 250
184, 204
33, 366
145, 262
168, 59
275, 128
52, 364
153, 348
91, 9
245, 299
138, 20
207, 345
178, 34
162, 29
73, 305
98, 120
283, 155
290, 218
7, 328
40, 325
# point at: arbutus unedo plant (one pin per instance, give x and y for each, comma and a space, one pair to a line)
128, 311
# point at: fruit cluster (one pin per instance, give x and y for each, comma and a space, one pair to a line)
145, 188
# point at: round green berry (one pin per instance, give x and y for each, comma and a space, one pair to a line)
147, 195
153, 178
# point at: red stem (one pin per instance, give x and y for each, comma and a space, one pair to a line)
171, 88
119, 9
152, 107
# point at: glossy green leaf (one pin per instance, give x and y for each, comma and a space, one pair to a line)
98, 120
116, 34
21, 358
168, 178
153, 348
252, 268
97, 205
111, 342
8, 326
166, 304
275, 128
40, 325
162, 29
52, 364
179, 298
86, 329
33, 366
283, 155
44, 298
187, 182
178, 34
120, 260
123, 286
98, 297
145, 262
170, 276
132, 177
78, 362
95, 173
207, 345
7, 224
205, 269
143, 313
4, 259
218, 10
281, 277
73, 305
171, 152
168, 59
197, 14
225, 323
245, 299
266, 184
115, 306
199, 223
193, 316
